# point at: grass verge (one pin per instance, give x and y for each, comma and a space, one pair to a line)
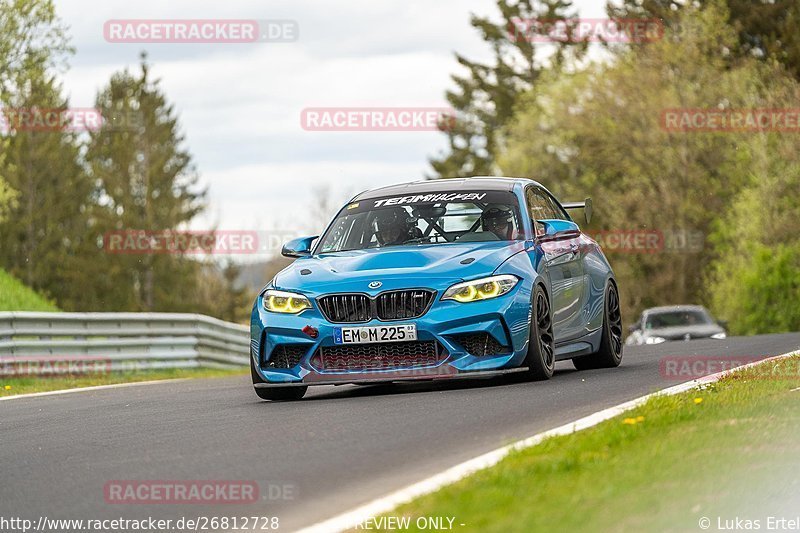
14, 296
726, 451
11, 386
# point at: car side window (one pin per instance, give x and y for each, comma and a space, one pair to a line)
558, 211
539, 207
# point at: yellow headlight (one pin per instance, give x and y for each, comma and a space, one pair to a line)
489, 290
465, 294
285, 302
480, 289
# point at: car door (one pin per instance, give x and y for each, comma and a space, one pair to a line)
563, 265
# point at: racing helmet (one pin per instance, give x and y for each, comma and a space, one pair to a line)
499, 219
392, 225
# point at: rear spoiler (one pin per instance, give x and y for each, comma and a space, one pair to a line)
586, 205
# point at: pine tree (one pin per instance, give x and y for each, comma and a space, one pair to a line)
44, 192
148, 183
484, 99
42, 234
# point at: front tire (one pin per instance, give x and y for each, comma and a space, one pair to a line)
541, 359
610, 353
275, 393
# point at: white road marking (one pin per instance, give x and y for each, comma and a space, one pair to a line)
351, 519
86, 389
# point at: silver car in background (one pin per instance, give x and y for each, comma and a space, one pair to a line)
675, 323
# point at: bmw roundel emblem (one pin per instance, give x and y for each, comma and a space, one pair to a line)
374, 284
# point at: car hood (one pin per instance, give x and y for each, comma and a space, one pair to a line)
699, 331
396, 267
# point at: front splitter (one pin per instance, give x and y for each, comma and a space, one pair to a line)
362, 379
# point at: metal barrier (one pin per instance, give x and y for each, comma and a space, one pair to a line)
126, 341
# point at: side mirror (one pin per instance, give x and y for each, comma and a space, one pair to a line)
298, 247
555, 229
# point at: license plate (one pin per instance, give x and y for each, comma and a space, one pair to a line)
367, 334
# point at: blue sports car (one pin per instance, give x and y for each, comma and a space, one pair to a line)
443, 279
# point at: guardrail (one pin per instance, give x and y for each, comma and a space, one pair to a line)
125, 341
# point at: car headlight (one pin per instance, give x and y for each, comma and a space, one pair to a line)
655, 340
285, 302
480, 289
720, 335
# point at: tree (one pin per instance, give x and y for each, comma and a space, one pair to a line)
44, 192
485, 97
31, 38
754, 282
8, 196
221, 292
766, 29
44, 232
148, 183
596, 132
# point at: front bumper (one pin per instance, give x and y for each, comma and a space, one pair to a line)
505, 319
376, 378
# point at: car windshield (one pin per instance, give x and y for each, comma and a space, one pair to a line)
677, 318
431, 218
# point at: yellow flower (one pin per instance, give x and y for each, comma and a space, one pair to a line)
698, 400
630, 421
7, 387
640, 419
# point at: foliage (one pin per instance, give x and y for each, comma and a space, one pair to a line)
148, 183
14, 296
61, 192
595, 132
755, 281
485, 97
765, 29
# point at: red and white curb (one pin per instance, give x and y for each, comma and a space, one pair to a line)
353, 518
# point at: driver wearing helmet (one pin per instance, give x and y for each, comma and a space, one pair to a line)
499, 219
393, 226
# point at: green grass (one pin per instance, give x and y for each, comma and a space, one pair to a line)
11, 386
725, 451
14, 296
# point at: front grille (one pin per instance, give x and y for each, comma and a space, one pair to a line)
400, 305
379, 356
286, 355
481, 344
346, 307
390, 305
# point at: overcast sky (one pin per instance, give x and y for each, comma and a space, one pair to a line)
239, 104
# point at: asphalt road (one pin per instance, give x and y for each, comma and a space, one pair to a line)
336, 449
